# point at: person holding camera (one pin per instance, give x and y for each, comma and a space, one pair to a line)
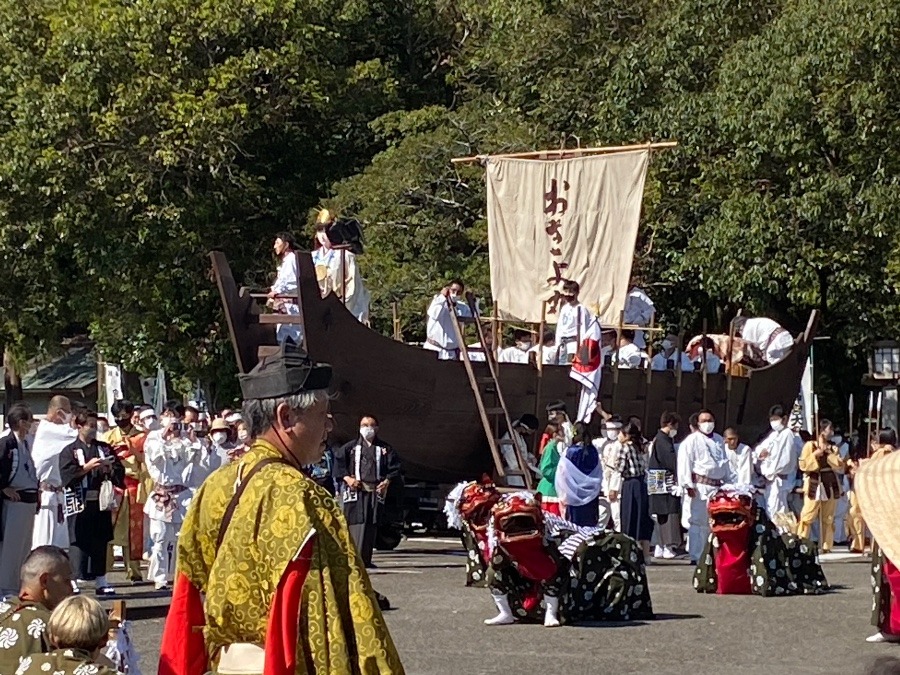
170, 453
85, 466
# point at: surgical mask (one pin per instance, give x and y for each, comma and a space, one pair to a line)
707, 427
219, 437
612, 434
524, 345
243, 435
673, 433
777, 425
368, 433
667, 345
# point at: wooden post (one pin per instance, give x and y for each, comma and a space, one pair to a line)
615, 365
539, 385
703, 361
495, 328
395, 318
649, 351
728, 375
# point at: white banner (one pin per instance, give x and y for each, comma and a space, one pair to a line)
549, 221
112, 384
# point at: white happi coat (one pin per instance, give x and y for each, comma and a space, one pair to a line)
779, 469
49, 440
573, 322
439, 331
513, 355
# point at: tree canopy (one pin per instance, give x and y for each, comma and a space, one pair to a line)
134, 137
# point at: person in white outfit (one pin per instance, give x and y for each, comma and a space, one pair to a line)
777, 459
669, 356
773, 340
282, 294
703, 468
572, 323
440, 335
338, 271
168, 453
608, 449
638, 311
628, 354
53, 434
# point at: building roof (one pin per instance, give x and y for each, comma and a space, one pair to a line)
75, 370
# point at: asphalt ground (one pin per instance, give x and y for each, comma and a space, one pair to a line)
437, 625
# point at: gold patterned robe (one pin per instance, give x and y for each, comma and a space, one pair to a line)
341, 629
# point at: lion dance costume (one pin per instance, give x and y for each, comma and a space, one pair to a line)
746, 554
542, 568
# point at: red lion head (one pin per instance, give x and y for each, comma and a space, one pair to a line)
478, 498
731, 511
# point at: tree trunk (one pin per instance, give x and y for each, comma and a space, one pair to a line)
12, 383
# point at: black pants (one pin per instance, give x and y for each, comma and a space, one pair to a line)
92, 532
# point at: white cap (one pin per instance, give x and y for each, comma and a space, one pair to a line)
233, 418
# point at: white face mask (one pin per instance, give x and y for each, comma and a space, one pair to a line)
612, 434
673, 433
667, 345
707, 427
524, 345
219, 437
777, 425
368, 433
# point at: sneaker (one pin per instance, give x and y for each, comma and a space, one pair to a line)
161, 586
658, 552
105, 591
668, 553
882, 637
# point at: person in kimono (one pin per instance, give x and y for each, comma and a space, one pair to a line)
638, 311
84, 465
54, 432
777, 463
578, 480
823, 468
549, 462
338, 271
440, 333
18, 496
263, 546
284, 291
364, 468
662, 482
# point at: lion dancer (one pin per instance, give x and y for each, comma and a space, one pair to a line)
468, 509
128, 529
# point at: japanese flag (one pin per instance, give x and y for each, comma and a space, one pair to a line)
587, 369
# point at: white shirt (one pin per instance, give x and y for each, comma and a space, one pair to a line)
548, 354
513, 355
638, 312
713, 362
782, 458
758, 331
48, 442
286, 280
167, 460
572, 323
440, 324
630, 356
741, 461
705, 456
661, 361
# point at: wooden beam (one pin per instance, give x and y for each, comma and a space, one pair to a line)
565, 153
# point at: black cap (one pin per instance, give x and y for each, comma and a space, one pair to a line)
556, 406
528, 421
288, 372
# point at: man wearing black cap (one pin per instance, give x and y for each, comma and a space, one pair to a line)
262, 546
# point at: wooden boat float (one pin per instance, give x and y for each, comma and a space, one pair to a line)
426, 407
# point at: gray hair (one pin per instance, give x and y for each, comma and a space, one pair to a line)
260, 413
41, 560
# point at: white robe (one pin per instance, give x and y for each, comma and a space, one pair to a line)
759, 330
630, 356
779, 469
661, 361
573, 322
49, 440
638, 312
286, 284
741, 461
713, 362
439, 331
513, 355
705, 456
344, 279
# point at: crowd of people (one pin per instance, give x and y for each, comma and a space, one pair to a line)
657, 490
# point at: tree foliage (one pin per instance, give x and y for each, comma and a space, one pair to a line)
137, 136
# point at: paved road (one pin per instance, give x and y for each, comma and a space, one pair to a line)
437, 625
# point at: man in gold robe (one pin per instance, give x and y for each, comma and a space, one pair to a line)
268, 579
128, 527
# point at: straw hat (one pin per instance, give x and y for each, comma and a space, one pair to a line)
219, 424
877, 486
